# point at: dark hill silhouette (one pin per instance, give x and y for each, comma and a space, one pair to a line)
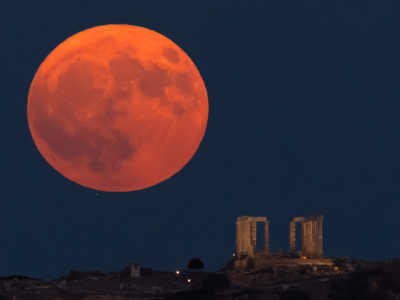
11, 277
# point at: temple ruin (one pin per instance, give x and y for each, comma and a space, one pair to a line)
311, 236
246, 229
247, 257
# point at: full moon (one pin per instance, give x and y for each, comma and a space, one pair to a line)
117, 108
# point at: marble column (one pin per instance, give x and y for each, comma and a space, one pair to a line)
319, 240
253, 235
239, 237
266, 237
305, 238
292, 237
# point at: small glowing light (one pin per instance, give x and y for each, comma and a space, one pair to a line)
233, 254
188, 280
177, 272
303, 257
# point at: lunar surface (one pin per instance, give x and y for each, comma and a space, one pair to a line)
117, 108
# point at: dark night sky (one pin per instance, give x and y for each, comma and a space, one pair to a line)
304, 119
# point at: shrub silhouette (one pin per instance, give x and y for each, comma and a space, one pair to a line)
214, 282
245, 294
195, 264
210, 285
371, 284
198, 294
295, 295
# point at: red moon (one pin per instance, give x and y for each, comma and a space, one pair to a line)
117, 108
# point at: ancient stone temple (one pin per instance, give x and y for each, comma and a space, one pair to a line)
311, 236
246, 235
247, 257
